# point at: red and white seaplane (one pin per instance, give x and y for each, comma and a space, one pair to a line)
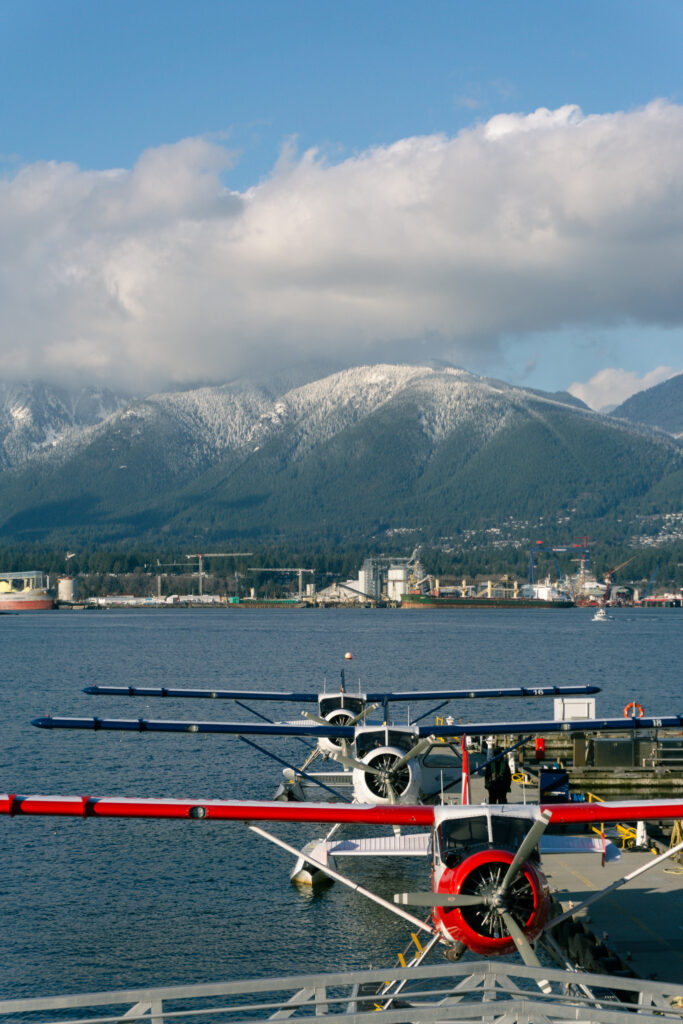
488, 892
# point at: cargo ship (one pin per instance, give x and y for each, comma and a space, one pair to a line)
24, 592
533, 595
448, 601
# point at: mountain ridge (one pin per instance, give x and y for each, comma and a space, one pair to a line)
358, 453
660, 406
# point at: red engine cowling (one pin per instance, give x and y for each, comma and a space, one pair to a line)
481, 928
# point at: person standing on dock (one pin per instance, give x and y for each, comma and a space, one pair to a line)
498, 777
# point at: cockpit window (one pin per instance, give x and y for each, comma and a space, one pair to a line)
509, 832
441, 755
354, 705
367, 741
461, 833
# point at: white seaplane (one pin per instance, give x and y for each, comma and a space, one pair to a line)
382, 762
389, 764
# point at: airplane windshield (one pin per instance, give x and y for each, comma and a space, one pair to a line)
441, 755
463, 833
509, 832
354, 705
370, 740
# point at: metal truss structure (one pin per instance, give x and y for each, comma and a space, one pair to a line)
486, 991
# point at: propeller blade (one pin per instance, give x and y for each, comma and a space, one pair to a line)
315, 718
352, 721
437, 899
524, 947
526, 849
352, 762
364, 714
418, 749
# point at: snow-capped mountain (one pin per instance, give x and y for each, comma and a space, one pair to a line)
35, 416
365, 450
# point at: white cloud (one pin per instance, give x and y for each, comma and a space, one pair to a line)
523, 224
611, 387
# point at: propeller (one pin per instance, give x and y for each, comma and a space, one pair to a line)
524, 947
438, 899
351, 722
495, 898
353, 762
415, 751
526, 848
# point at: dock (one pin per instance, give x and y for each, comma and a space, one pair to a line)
642, 923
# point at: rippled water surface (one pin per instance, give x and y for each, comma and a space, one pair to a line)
91, 905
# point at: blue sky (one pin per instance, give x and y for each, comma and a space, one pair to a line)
105, 89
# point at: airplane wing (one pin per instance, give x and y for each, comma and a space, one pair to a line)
613, 811
348, 731
541, 727
232, 728
216, 810
269, 810
312, 698
166, 691
510, 691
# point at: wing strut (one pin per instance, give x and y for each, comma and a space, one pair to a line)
297, 771
264, 718
423, 925
615, 885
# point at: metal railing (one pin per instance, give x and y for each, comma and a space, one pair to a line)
486, 990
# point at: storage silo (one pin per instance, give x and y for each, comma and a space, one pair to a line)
67, 588
397, 582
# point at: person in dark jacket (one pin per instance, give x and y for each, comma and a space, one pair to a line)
498, 778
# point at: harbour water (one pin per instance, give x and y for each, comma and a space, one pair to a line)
91, 905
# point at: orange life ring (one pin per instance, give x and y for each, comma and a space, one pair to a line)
636, 707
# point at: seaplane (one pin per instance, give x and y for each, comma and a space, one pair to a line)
383, 762
488, 891
387, 764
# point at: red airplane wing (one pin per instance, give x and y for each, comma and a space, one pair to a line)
372, 814
235, 810
619, 810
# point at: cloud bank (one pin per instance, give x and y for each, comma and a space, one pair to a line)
430, 246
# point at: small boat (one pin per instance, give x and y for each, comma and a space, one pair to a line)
600, 615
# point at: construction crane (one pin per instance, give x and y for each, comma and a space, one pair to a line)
299, 571
608, 579
214, 554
